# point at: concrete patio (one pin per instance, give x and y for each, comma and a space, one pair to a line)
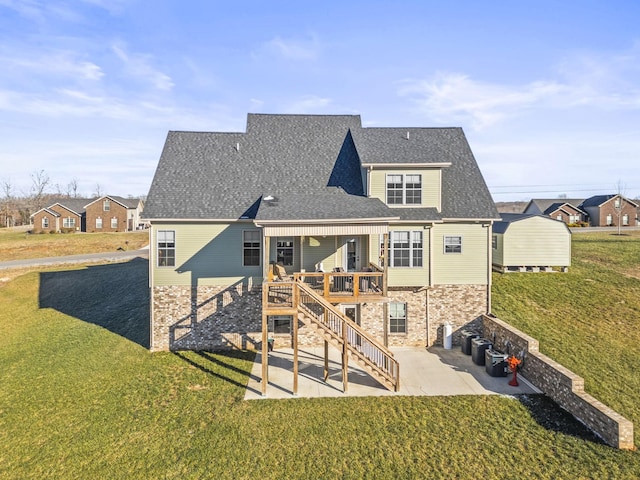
433, 371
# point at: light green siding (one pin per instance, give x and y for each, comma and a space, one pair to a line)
206, 254
319, 249
537, 241
431, 185
469, 267
410, 276
498, 253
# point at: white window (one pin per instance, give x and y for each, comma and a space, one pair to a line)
397, 317
69, 222
45, 222
114, 222
404, 189
616, 202
106, 205
166, 248
574, 218
251, 248
625, 219
452, 244
559, 217
609, 219
405, 249
284, 251
99, 222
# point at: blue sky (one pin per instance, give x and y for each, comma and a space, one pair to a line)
547, 92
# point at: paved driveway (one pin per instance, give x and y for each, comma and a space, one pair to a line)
435, 371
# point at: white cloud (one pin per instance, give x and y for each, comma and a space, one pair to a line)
292, 49
607, 82
60, 63
139, 66
308, 104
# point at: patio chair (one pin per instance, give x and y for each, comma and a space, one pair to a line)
282, 274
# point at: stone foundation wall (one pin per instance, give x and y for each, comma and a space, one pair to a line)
462, 306
562, 385
206, 317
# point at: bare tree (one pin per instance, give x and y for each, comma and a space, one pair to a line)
98, 192
618, 203
40, 181
7, 190
72, 188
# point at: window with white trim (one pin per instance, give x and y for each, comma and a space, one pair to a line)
106, 205
45, 222
99, 222
405, 248
397, 317
114, 222
494, 242
452, 244
625, 219
609, 219
69, 222
166, 248
251, 248
404, 189
284, 251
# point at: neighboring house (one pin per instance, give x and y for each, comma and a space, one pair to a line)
64, 215
531, 243
565, 210
385, 230
610, 210
105, 214
110, 213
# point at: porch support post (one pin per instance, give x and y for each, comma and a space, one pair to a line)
265, 350
296, 295
385, 250
326, 361
265, 262
345, 359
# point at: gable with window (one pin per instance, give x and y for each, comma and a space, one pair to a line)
404, 189
106, 205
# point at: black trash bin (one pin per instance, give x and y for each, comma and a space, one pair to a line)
478, 347
495, 363
465, 340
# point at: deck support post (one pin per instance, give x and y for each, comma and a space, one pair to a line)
296, 298
265, 354
345, 359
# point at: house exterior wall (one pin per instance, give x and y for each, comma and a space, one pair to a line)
65, 213
431, 185
471, 266
497, 256
536, 241
598, 214
95, 210
564, 214
37, 222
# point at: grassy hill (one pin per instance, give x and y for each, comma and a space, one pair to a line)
81, 396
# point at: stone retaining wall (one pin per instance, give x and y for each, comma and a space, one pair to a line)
562, 385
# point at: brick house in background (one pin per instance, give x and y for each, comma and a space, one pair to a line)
110, 213
565, 210
610, 210
65, 215
105, 214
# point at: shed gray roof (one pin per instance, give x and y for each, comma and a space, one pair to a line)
295, 158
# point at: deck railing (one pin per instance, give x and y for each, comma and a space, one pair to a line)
351, 284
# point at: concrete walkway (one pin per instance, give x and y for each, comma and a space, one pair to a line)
435, 371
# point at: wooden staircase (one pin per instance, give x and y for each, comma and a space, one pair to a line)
349, 337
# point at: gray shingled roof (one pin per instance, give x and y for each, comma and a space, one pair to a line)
294, 158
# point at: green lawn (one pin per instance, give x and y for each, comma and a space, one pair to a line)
81, 396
